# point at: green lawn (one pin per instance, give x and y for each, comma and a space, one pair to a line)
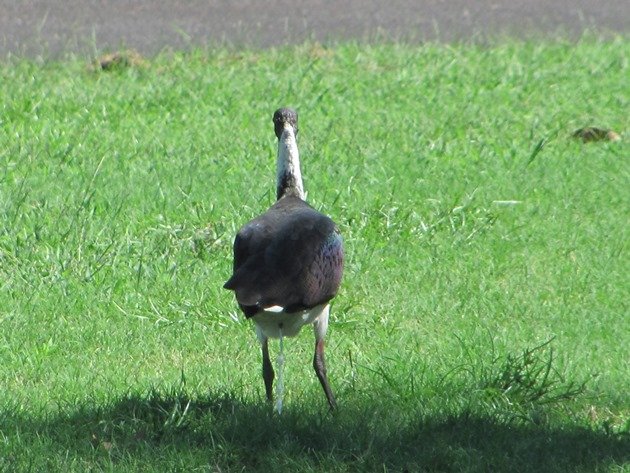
483, 322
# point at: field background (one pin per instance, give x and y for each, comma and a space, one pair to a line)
483, 320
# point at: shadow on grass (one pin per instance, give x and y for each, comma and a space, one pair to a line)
168, 432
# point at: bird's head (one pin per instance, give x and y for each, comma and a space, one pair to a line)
283, 118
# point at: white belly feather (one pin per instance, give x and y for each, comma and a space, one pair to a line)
272, 320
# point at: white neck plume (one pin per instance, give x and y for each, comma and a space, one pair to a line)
289, 177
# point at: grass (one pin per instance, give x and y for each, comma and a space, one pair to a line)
483, 320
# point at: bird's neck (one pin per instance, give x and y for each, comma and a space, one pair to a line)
289, 178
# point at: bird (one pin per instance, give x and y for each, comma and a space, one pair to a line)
288, 262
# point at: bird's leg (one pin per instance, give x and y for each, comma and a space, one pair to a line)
267, 369
320, 369
319, 362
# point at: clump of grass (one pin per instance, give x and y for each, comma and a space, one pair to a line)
529, 380
591, 133
119, 60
